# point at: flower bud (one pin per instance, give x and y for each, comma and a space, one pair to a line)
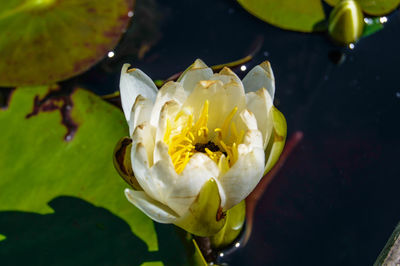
346, 22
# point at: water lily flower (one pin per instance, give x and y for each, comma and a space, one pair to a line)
200, 145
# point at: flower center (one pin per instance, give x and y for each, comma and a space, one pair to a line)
185, 137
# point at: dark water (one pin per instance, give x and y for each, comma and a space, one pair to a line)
336, 200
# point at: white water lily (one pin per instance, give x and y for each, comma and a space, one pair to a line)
203, 127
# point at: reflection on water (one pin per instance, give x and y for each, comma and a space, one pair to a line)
110, 54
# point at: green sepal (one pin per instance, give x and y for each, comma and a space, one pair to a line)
122, 162
346, 22
205, 216
277, 140
235, 218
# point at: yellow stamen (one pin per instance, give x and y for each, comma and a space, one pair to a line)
223, 164
225, 125
183, 134
167, 132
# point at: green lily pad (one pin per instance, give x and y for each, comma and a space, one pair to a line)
373, 7
287, 14
44, 41
61, 199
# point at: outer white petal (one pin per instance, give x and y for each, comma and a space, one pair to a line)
198, 71
171, 91
152, 208
163, 174
260, 104
132, 83
184, 191
259, 77
142, 157
245, 174
141, 111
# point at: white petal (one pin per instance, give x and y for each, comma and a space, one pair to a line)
171, 91
249, 120
168, 111
199, 170
145, 134
152, 208
260, 104
161, 153
198, 71
141, 111
142, 157
259, 77
132, 83
245, 174
222, 100
226, 75
163, 175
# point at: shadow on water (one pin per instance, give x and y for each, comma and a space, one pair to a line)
79, 233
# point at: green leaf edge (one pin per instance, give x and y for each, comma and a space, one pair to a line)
393, 242
198, 257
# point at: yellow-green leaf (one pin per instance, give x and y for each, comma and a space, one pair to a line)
287, 14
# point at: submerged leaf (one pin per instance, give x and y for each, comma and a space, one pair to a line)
44, 41
302, 16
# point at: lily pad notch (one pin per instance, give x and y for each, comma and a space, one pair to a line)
54, 100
